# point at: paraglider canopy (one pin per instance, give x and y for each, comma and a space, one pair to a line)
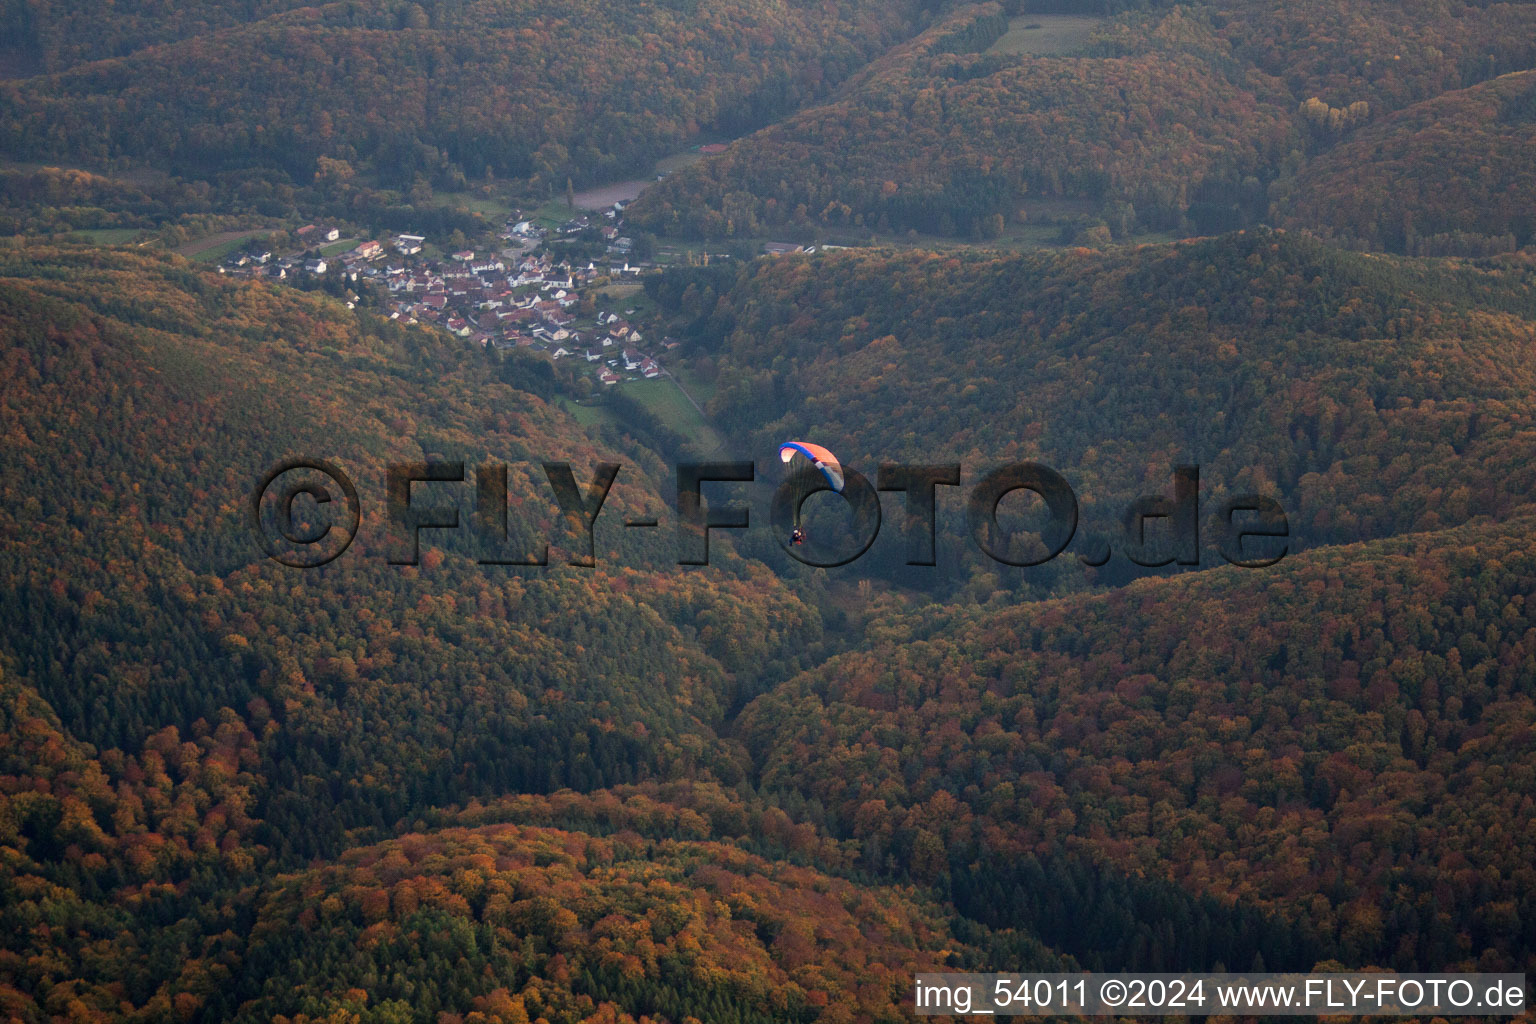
818, 457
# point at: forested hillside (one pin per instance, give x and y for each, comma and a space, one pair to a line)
565, 923
1165, 119
1370, 396
50, 37
232, 790
1452, 176
182, 712
475, 776
951, 142
854, 119
1344, 741
347, 100
185, 389
1385, 53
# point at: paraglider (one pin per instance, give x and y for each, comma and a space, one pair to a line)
823, 460
818, 457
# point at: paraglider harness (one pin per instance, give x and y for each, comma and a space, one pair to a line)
824, 461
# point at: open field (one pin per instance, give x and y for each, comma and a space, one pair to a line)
215, 247
677, 161
109, 236
604, 196
684, 250
702, 392
589, 415
624, 297
1046, 35
621, 292
667, 402
551, 214
492, 206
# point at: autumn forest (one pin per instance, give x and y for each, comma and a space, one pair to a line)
1291, 244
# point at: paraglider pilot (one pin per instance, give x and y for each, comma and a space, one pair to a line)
822, 460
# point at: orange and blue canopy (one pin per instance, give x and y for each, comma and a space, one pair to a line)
818, 457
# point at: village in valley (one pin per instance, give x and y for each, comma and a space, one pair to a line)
517, 296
